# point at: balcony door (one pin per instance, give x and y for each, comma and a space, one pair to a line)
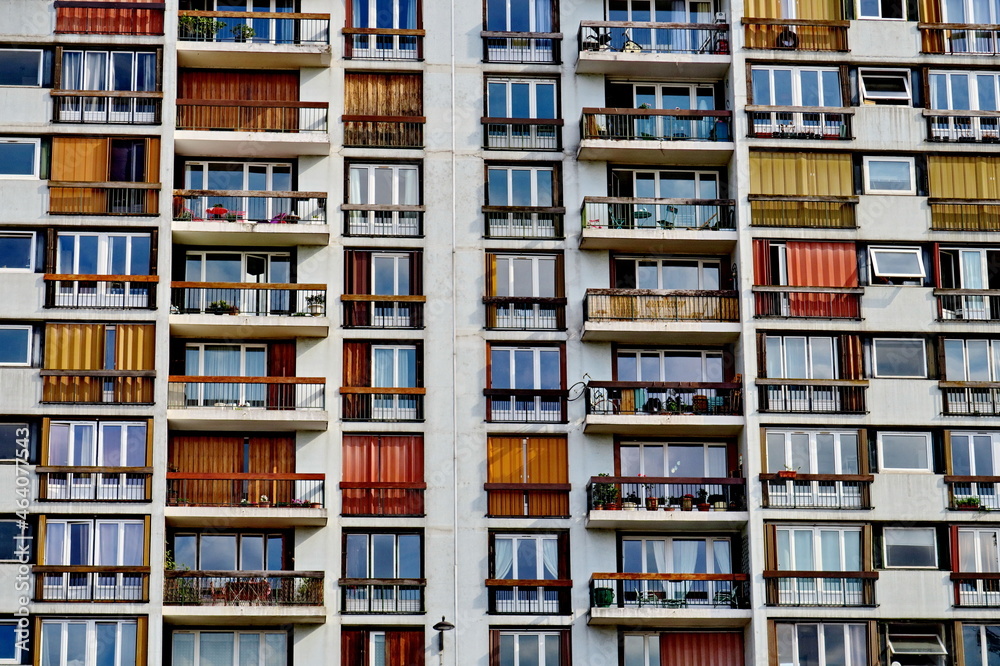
971, 269
964, 91
667, 274
527, 557
662, 11
97, 543
98, 254
979, 552
525, 370
976, 454
521, 186
384, 15
394, 367
116, 71
813, 452
513, 99
525, 277
262, 30
225, 360
92, 444
386, 558
246, 176
384, 185
819, 549
233, 268
656, 184
667, 96
971, 12
799, 357
654, 555
391, 277
519, 16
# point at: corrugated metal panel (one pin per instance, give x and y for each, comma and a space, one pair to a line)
702, 649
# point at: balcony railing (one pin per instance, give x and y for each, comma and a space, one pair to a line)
959, 38
799, 122
823, 212
98, 387
522, 47
87, 583
640, 305
528, 597
247, 299
525, 313
973, 493
523, 133
253, 27
795, 34
635, 213
383, 43
103, 198
970, 398
382, 498
827, 396
723, 494
527, 500
368, 311
94, 484
90, 17
524, 221
278, 393
968, 304
803, 302
963, 126
632, 37
378, 220
243, 588
976, 590
655, 125
669, 590
391, 596
107, 107
664, 398
233, 489
820, 588
117, 292
252, 116
384, 131
525, 405
250, 206
366, 403
964, 215
816, 491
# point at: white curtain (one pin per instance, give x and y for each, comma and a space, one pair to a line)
134, 534
275, 650
550, 559
686, 555
359, 185
55, 544
72, 70
858, 644
59, 444
408, 187
107, 555
543, 16
96, 71
383, 361
504, 558
222, 361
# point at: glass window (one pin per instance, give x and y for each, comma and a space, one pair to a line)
889, 175
971, 360
975, 454
642, 649
885, 86
15, 438
680, 460
523, 648
10, 653
902, 262
916, 645
981, 643
796, 86
793, 357
229, 648
19, 158
17, 251
899, 357
803, 644
909, 547
20, 67
80, 642
812, 452
881, 9
10, 540
909, 452
15, 345
520, 186
521, 98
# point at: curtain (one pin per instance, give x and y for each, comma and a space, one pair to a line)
550, 559
409, 187
504, 558
79, 159
383, 365
388, 458
108, 534
505, 464
216, 648
134, 350
543, 16
72, 70
963, 176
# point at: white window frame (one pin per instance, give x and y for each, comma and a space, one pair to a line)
885, 547
813, 464
509, 170
817, 544
662, 262
541, 645
91, 647
970, 436
650, 646
810, 353
993, 356
109, 69
904, 74
873, 253
94, 544
396, 359
244, 348
41, 66
196, 646
34, 175
395, 258
103, 250
923, 359
533, 85
205, 166
796, 79
12, 233
822, 628
880, 17
663, 354
30, 350
536, 356
369, 169
868, 159
941, 652
539, 539
883, 467
536, 264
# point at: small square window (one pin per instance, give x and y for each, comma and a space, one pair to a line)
15, 345
905, 451
899, 357
881, 9
889, 175
19, 158
9, 533
20, 67
907, 547
885, 86
898, 265
17, 251
13, 438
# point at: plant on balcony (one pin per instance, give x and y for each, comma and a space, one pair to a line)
316, 304
968, 504
687, 502
199, 27
243, 32
718, 502
605, 495
603, 597
264, 501
631, 502
221, 307
788, 473
703, 504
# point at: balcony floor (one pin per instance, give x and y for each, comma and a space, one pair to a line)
680, 153
672, 424
668, 65
248, 326
665, 520
213, 419
248, 55
661, 332
235, 516
249, 234
243, 615
692, 616
217, 143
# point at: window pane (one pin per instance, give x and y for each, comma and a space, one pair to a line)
249, 649
808, 653
409, 556
275, 649
899, 358
16, 251
635, 650
17, 159
357, 556
910, 548
216, 648
889, 175
76, 643
905, 451
383, 556
218, 553
14, 345
897, 264
20, 67
972, 640
498, 187
183, 649
107, 634
527, 650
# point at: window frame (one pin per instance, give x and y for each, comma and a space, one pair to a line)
533, 84
885, 548
262, 632
822, 627
534, 170
540, 634
369, 562
41, 71
370, 169
103, 257
980, 629
922, 356
18, 657
902, 8
812, 445
796, 72
873, 252
555, 260
110, 80
287, 545
513, 346
969, 445
942, 653
817, 545
810, 353
560, 538
37, 159
929, 449
30, 347
904, 74
641, 445
23, 430
866, 175
91, 638
15, 233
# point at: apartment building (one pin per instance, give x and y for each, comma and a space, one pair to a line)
304, 348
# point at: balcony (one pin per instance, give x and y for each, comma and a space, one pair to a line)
808, 302
970, 398
383, 44
964, 215
666, 502
525, 313
217, 128
799, 122
295, 491
107, 17
540, 134
670, 599
98, 387
384, 131
250, 206
527, 500
248, 403
243, 588
536, 48
642, 135
816, 491
681, 50
382, 498
378, 596
795, 34
107, 107
104, 292
506, 405
973, 493
91, 584
963, 126
524, 222
661, 316
372, 311
528, 597
367, 403
94, 484
976, 590
812, 396
815, 212
201, 309
252, 39
959, 38
710, 409
632, 224
103, 198
820, 588
383, 220
968, 304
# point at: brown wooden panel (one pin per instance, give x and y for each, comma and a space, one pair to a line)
701, 648
378, 94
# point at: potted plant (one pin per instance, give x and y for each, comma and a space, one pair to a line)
718, 502
968, 504
299, 503
244, 502
687, 502
788, 473
673, 503
703, 504
630, 503
243, 32
264, 501
316, 304
651, 500
605, 495
662, 501
202, 28
218, 307
603, 596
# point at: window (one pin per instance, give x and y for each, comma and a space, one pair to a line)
15, 345
655, 273
665, 96
881, 9
248, 176
91, 253
974, 454
531, 648
513, 279
378, 647
642, 11
384, 185
371, 460
229, 648
899, 357
526, 460
885, 86
812, 452
11, 650
92, 444
21, 67
386, 274
118, 71
915, 649
897, 265
980, 641
971, 360
978, 553
964, 91
85, 642
531, 369
794, 357
641, 649
243, 551
519, 16
527, 557
15, 438
970, 12
522, 186
384, 15
889, 175
658, 555
19, 158
510, 99
910, 547
220, 360
969, 268
901, 451
386, 557
669, 366
111, 160
681, 460
273, 268
11, 541
17, 251
828, 548
94, 543
822, 644
796, 86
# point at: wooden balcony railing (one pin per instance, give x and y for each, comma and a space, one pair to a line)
279, 393
668, 493
94, 484
523, 133
382, 596
371, 311
527, 500
645, 214
382, 498
233, 489
522, 47
253, 27
669, 590
799, 122
243, 588
107, 107
117, 292
815, 396
820, 588
816, 491
103, 198
276, 207
653, 37
968, 304
664, 398
252, 116
656, 125
525, 313
384, 131
959, 38
795, 34
823, 212
963, 126
808, 302
91, 583
970, 398
976, 589
367, 403
973, 493
397, 221
640, 305
98, 387
965, 214
383, 43
109, 17
248, 299
524, 221
528, 597
525, 405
